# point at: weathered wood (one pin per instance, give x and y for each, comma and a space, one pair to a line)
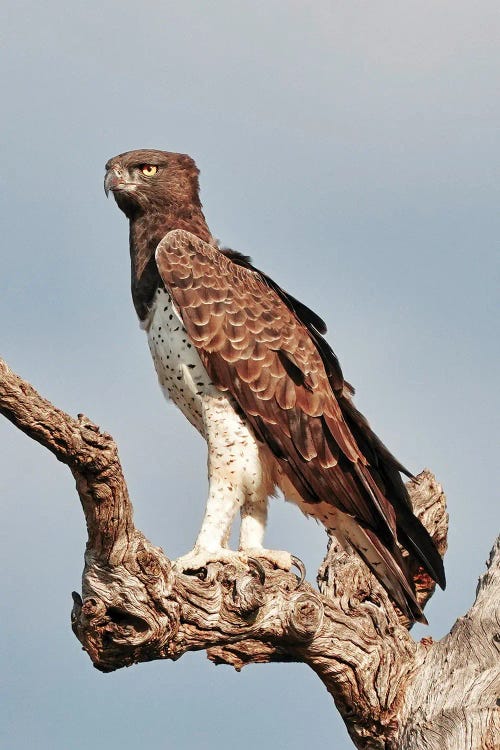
392, 692
453, 699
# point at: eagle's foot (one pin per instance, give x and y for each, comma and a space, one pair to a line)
199, 558
196, 561
277, 557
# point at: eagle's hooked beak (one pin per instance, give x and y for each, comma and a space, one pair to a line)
112, 180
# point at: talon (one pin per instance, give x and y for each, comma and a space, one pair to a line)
301, 568
258, 567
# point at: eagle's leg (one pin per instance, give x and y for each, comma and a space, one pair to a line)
223, 502
253, 526
239, 478
253, 523
232, 467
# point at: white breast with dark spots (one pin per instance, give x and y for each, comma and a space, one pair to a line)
181, 373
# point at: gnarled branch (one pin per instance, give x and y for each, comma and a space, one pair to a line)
135, 607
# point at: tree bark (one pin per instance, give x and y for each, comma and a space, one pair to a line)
392, 692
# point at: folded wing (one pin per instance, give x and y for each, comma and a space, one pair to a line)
265, 348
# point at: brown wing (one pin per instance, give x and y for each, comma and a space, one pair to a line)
256, 348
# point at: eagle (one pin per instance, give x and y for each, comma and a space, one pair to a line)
249, 367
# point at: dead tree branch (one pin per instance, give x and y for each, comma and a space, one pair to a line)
134, 607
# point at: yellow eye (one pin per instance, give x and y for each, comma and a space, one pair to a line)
149, 170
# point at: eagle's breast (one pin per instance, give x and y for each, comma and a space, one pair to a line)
181, 373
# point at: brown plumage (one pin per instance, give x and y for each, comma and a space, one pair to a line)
265, 350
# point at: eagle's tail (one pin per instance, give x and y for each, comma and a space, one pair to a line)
416, 539
385, 470
389, 568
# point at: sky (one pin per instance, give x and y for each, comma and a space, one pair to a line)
352, 149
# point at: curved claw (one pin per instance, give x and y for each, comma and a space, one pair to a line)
258, 567
301, 568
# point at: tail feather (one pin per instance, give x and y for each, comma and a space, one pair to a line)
416, 539
385, 470
389, 568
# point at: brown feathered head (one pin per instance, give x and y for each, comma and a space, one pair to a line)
148, 179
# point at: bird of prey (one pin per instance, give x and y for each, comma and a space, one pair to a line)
248, 366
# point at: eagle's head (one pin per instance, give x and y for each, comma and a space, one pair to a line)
149, 180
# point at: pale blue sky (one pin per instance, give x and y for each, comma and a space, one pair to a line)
352, 149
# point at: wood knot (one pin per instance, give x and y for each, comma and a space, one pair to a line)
304, 616
93, 608
248, 594
148, 563
244, 589
101, 493
91, 433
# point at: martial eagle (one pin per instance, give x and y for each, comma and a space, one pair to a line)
248, 366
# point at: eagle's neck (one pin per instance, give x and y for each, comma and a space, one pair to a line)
146, 231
